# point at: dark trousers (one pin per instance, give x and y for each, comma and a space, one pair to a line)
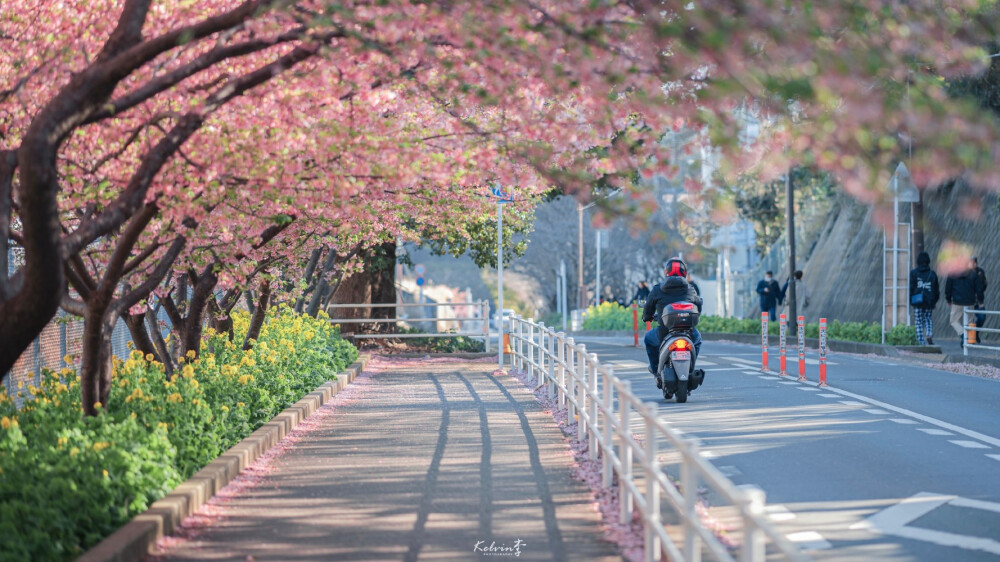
652, 341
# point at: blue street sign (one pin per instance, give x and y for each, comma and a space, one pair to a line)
420, 281
502, 195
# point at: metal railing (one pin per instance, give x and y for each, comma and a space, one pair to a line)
605, 409
966, 312
482, 307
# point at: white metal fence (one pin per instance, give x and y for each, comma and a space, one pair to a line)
972, 312
471, 319
606, 409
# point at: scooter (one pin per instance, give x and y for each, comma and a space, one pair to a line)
676, 374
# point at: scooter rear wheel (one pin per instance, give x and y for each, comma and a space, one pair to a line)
682, 392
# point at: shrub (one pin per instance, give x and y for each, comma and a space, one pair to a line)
608, 316
901, 335
67, 481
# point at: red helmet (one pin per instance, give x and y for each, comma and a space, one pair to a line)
676, 267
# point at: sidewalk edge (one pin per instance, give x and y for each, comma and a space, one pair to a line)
133, 540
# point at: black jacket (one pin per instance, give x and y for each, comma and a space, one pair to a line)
965, 290
641, 294
771, 298
673, 289
924, 280
982, 277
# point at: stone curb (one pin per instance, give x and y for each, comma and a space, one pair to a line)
134, 539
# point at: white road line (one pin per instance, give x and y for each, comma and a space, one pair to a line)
787, 382
994, 457
829, 395
852, 403
739, 360
809, 540
809, 389
927, 419
895, 520
767, 378
905, 421
715, 370
932, 431
778, 513
706, 363
970, 444
751, 372
877, 412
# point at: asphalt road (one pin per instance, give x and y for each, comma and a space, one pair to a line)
892, 461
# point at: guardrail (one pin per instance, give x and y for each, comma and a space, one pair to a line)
483, 307
966, 312
605, 409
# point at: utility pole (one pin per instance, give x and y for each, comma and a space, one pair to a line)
790, 233
917, 228
581, 298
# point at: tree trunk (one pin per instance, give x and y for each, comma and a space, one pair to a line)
308, 278
376, 284
161, 346
95, 362
191, 338
260, 312
140, 337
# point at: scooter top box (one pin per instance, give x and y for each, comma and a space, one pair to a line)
680, 316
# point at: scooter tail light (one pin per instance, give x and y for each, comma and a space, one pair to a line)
679, 344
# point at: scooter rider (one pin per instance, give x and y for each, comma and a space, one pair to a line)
673, 289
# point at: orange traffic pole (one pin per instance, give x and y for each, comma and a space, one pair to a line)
802, 347
822, 352
635, 323
782, 331
763, 341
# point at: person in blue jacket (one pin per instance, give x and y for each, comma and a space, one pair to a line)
674, 289
770, 294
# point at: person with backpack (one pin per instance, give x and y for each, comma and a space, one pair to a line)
924, 295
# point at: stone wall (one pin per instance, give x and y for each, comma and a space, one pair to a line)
844, 268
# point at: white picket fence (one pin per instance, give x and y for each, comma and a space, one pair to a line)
606, 409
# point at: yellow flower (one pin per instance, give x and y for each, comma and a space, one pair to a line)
241, 405
5, 422
175, 397
101, 445
194, 401
62, 441
149, 357
132, 415
187, 371
194, 383
190, 354
105, 473
129, 344
161, 425
97, 405
135, 355
225, 408
67, 359
74, 452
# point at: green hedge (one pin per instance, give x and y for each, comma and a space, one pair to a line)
67, 481
611, 317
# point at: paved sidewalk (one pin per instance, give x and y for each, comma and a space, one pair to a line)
420, 460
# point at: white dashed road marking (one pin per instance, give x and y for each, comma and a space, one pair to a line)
809, 540
808, 389
970, 444
905, 421
932, 431
895, 520
877, 412
852, 403
927, 419
778, 513
994, 457
829, 395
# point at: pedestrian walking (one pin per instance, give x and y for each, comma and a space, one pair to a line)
924, 295
980, 318
961, 291
770, 293
801, 291
642, 293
